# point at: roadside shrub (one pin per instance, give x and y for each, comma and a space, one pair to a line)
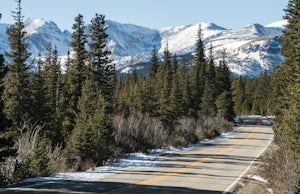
140, 132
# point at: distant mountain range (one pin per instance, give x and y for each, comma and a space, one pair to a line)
251, 50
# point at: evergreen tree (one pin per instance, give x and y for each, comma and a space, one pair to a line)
75, 75
16, 94
6, 142
287, 106
53, 84
238, 92
176, 101
39, 163
154, 64
165, 78
92, 134
182, 75
197, 75
223, 82
224, 106
261, 95
174, 64
3, 72
223, 90
102, 68
39, 94
208, 106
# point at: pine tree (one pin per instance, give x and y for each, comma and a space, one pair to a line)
76, 73
208, 106
224, 106
261, 95
197, 75
154, 64
53, 80
176, 101
182, 75
223, 90
16, 95
3, 72
101, 65
6, 143
92, 135
223, 82
165, 79
39, 95
288, 116
238, 92
39, 162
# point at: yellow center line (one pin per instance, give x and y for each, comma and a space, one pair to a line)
183, 169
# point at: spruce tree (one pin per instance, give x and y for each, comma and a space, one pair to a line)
39, 94
288, 111
165, 79
53, 84
182, 74
223, 89
16, 94
238, 92
197, 75
176, 98
6, 142
154, 63
76, 73
3, 72
99, 56
208, 106
92, 135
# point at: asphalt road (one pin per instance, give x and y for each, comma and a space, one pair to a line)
213, 168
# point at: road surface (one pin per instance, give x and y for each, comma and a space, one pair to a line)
213, 168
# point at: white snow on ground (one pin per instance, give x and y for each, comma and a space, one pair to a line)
257, 177
134, 160
270, 190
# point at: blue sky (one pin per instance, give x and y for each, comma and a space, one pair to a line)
230, 14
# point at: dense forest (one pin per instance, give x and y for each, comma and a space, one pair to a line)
83, 115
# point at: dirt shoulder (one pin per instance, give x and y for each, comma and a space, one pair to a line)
253, 181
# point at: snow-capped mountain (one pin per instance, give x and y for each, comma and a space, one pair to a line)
251, 49
40, 33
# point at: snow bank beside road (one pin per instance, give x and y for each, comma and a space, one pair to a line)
134, 160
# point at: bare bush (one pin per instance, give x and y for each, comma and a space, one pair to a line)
17, 168
139, 132
27, 140
13, 168
57, 161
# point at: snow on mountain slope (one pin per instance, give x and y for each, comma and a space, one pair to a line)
251, 49
131, 44
40, 33
182, 39
278, 24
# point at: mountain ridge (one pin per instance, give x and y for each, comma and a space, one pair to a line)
251, 49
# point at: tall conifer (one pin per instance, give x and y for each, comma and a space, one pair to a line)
75, 76
16, 95
197, 74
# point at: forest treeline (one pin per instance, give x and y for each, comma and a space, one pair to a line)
85, 116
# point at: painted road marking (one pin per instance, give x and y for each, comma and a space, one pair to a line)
180, 170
